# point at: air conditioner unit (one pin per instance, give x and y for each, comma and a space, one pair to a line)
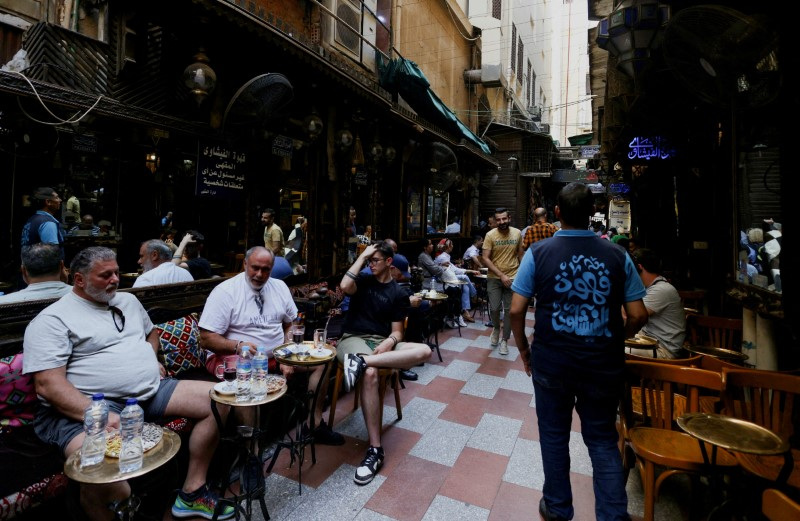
535, 111
344, 35
544, 127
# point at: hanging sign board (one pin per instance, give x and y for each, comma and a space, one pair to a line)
220, 170
619, 215
282, 146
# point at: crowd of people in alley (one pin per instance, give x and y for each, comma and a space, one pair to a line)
590, 288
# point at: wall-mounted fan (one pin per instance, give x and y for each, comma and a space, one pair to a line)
258, 100
440, 166
725, 57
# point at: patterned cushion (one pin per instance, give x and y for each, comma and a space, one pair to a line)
179, 344
17, 397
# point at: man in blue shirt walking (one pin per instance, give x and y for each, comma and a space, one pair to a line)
581, 283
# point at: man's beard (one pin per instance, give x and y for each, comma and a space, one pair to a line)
101, 295
147, 266
503, 226
254, 284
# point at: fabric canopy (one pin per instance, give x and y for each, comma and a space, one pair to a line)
405, 78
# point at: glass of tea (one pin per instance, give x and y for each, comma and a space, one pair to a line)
227, 370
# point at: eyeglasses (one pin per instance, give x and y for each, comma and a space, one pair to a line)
259, 302
114, 312
374, 260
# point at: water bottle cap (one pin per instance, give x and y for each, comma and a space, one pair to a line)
261, 349
98, 396
245, 349
131, 401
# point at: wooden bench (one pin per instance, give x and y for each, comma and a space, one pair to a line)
37, 477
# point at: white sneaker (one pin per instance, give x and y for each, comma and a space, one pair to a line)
462, 322
495, 338
503, 348
450, 323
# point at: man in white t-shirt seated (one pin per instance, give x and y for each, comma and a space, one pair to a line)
97, 340
667, 318
252, 309
155, 258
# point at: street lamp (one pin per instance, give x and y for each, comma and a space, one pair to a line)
199, 77
631, 32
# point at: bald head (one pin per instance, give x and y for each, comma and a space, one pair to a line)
391, 243
540, 214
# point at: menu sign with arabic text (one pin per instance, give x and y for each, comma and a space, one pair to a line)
220, 170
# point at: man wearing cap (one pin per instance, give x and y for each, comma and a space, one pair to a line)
418, 309
43, 225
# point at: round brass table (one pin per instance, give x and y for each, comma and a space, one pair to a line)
248, 462
306, 404
426, 296
717, 352
108, 471
733, 434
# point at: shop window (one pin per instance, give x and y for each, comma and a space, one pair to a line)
438, 206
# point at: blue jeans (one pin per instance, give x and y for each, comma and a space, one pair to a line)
597, 408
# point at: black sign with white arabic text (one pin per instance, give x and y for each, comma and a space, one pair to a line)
220, 170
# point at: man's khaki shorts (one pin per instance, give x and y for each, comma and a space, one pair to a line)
358, 345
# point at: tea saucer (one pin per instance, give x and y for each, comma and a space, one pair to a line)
224, 388
321, 352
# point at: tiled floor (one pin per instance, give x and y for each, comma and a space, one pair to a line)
466, 449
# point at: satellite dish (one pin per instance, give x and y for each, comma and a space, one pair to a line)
257, 101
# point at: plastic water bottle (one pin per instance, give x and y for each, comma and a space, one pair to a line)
95, 419
260, 369
244, 375
131, 421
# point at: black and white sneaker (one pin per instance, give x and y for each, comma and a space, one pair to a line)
372, 463
354, 367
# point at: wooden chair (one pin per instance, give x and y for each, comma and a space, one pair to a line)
721, 332
635, 397
656, 441
694, 300
712, 402
762, 397
385, 376
777, 506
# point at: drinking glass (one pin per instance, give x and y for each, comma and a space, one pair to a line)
319, 338
227, 371
298, 333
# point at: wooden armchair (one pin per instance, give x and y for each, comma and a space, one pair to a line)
721, 332
777, 506
656, 441
762, 397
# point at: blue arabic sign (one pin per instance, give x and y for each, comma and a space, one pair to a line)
650, 148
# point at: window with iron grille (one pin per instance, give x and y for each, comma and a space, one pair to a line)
496, 5
520, 52
513, 47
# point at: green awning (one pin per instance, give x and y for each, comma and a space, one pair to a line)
405, 78
581, 139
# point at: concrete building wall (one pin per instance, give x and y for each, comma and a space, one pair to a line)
439, 41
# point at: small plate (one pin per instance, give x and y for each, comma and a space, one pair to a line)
321, 352
223, 388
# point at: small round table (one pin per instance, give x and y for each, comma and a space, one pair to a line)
642, 342
717, 352
307, 404
248, 461
108, 470
732, 434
